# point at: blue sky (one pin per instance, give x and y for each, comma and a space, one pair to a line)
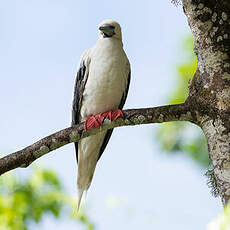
41, 43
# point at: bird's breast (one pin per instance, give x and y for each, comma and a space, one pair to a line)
106, 81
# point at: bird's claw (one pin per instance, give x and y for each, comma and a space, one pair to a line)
94, 122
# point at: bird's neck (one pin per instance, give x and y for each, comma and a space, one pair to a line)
110, 41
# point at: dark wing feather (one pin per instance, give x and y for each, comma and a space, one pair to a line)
124, 96
110, 131
77, 97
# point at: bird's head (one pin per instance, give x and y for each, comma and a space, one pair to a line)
109, 28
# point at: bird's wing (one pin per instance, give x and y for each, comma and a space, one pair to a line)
110, 131
81, 78
124, 96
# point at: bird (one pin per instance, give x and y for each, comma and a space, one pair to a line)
100, 91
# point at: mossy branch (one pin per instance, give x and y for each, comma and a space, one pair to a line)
26, 156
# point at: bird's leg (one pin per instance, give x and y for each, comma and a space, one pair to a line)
93, 122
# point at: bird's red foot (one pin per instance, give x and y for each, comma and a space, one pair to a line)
112, 115
107, 115
116, 114
94, 122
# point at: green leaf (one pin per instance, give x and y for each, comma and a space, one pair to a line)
182, 137
27, 200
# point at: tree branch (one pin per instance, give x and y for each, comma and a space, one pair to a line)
24, 157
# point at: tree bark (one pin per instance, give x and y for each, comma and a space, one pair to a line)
209, 93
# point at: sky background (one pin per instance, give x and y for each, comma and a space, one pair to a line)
135, 186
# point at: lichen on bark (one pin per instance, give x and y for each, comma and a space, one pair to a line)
209, 92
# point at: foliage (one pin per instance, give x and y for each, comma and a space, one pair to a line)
222, 222
182, 137
26, 200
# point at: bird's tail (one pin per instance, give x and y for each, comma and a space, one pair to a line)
80, 194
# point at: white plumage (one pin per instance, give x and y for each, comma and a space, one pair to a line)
103, 87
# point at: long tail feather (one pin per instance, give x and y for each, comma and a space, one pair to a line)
80, 193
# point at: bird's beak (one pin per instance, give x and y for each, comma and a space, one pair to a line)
107, 29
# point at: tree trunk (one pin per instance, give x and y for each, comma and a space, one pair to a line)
209, 93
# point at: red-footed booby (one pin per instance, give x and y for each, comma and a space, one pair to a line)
101, 88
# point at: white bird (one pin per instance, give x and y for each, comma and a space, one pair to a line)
101, 88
